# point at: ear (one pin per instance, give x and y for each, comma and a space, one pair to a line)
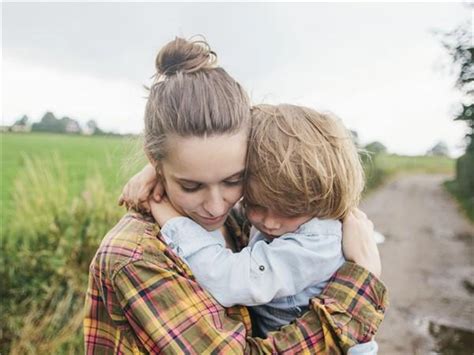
151, 160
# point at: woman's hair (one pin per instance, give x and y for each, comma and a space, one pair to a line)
302, 162
191, 96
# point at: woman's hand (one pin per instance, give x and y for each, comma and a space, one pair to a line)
137, 190
358, 242
163, 210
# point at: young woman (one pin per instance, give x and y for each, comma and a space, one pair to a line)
142, 298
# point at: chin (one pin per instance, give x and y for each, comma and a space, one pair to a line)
212, 227
209, 225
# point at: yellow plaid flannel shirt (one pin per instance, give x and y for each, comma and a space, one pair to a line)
142, 299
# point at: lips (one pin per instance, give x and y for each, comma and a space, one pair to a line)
270, 233
213, 219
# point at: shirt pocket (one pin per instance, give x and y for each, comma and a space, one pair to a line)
344, 323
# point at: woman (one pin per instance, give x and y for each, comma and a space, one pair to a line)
142, 298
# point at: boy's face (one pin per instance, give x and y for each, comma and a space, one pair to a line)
272, 223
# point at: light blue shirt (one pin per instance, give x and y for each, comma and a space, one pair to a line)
279, 277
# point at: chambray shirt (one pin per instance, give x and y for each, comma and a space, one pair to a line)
277, 277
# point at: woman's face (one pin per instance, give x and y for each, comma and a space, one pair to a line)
203, 176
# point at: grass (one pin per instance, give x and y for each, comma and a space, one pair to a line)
47, 249
79, 155
382, 167
393, 164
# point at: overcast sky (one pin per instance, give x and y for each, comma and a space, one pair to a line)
377, 66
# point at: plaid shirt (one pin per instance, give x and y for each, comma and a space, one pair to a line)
143, 299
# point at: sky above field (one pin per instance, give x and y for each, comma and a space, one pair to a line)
379, 67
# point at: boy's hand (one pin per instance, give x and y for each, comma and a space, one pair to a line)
136, 192
358, 242
163, 210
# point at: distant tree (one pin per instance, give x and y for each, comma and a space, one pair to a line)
355, 137
49, 123
92, 125
376, 147
458, 44
23, 121
439, 149
93, 128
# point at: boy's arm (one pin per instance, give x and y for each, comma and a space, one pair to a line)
258, 274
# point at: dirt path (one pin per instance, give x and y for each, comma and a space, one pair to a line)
428, 266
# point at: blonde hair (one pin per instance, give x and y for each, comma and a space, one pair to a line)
302, 162
191, 96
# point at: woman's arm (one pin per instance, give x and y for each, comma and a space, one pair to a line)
170, 313
256, 274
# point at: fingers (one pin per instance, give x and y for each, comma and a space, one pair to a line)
158, 192
124, 196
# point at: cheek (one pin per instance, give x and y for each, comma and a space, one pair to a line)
293, 224
234, 194
253, 216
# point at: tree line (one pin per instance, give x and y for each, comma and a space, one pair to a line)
50, 123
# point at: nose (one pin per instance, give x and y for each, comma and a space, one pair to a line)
270, 222
215, 203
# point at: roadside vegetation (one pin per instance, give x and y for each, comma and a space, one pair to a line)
458, 43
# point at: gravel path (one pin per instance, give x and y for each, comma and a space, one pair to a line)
428, 265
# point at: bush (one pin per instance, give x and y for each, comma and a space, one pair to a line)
374, 175
465, 174
45, 253
463, 186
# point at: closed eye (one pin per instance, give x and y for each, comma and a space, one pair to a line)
234, 182
191, 188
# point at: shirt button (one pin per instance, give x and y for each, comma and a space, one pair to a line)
171, 245
261, 268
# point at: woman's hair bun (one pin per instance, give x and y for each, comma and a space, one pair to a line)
181, 55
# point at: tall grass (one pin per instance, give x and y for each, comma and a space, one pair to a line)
45, 252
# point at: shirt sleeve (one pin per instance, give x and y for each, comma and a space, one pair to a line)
259, 273
170, 313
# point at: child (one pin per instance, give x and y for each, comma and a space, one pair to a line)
303, 176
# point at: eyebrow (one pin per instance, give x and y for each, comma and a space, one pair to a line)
238, 174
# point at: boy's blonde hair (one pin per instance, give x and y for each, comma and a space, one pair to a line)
302, 162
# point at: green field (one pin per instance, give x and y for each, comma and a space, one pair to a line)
80, 156
394, 164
